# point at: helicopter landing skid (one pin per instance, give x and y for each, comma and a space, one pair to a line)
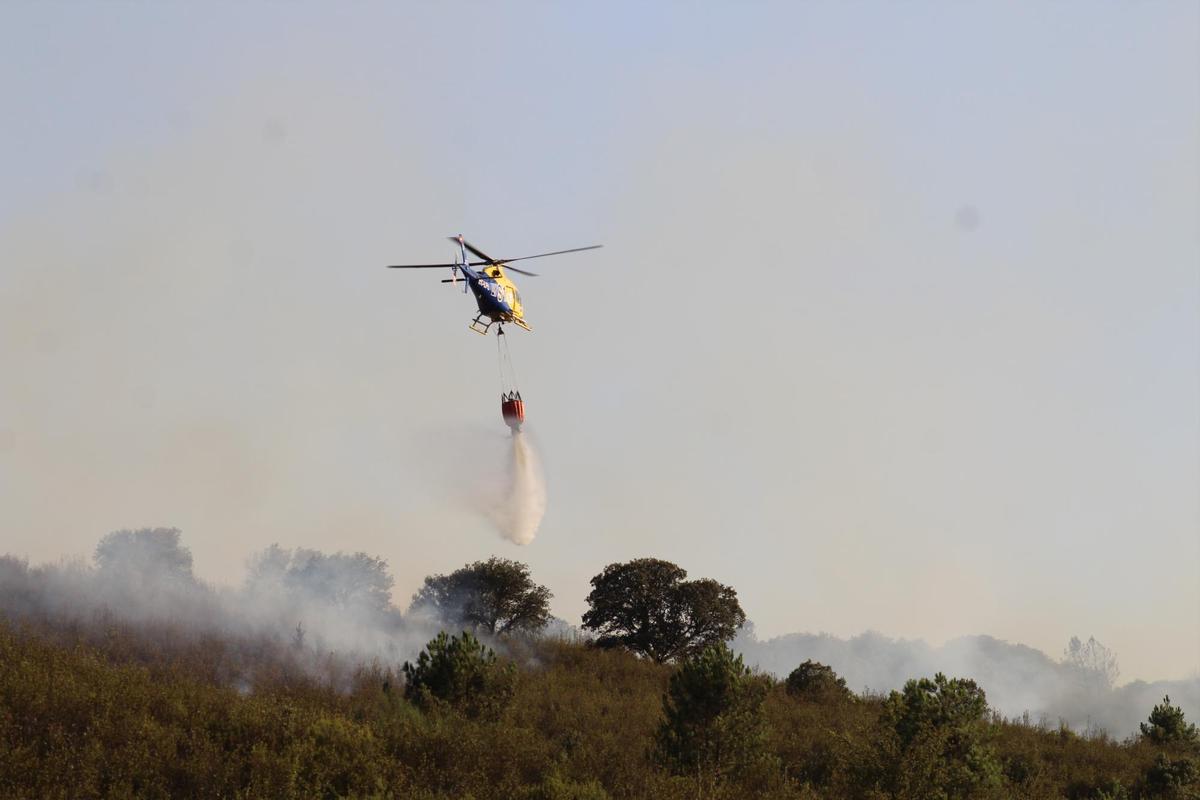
480, 327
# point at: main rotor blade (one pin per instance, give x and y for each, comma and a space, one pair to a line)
514, 269
543, 255
473, 249
421, 266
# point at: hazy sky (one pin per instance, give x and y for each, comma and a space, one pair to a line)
897, 324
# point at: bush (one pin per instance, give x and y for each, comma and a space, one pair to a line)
1177, 779
555, 787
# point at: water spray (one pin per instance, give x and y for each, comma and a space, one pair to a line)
523, 505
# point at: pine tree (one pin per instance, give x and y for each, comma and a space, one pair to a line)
1167, 725
714, 727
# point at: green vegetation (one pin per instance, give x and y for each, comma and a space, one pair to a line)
1173, 779
1167, 725
934, 740
122, 717
713, 727
496, 596
95, 705
646, 606
817, 683
462, 673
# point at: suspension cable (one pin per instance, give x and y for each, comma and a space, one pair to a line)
508, 373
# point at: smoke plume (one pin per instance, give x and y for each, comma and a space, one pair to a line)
322, 614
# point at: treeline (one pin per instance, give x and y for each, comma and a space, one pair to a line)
342, 603
129, 700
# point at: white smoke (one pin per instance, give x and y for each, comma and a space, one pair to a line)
316, 612
1020, 682
518, 509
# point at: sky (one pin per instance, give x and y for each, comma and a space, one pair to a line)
896, 326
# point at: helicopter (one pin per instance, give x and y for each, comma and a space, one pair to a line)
495, 293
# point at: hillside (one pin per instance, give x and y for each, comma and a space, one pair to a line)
133, 678
116, 710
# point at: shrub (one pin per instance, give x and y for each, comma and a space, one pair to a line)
1172, 779
556, 787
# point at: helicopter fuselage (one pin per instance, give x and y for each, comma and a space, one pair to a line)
495, 295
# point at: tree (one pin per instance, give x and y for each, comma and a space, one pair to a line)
939, 703
462, 673
341, 580
935, 744
713, 724
1171, 779
1094, 664
646, 606
150, 552
496, 596
816, 682
1167, 725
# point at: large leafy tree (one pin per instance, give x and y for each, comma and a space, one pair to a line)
341, 580
496, 596
647, 606
150, 552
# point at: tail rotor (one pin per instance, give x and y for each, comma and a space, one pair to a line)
460, 260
